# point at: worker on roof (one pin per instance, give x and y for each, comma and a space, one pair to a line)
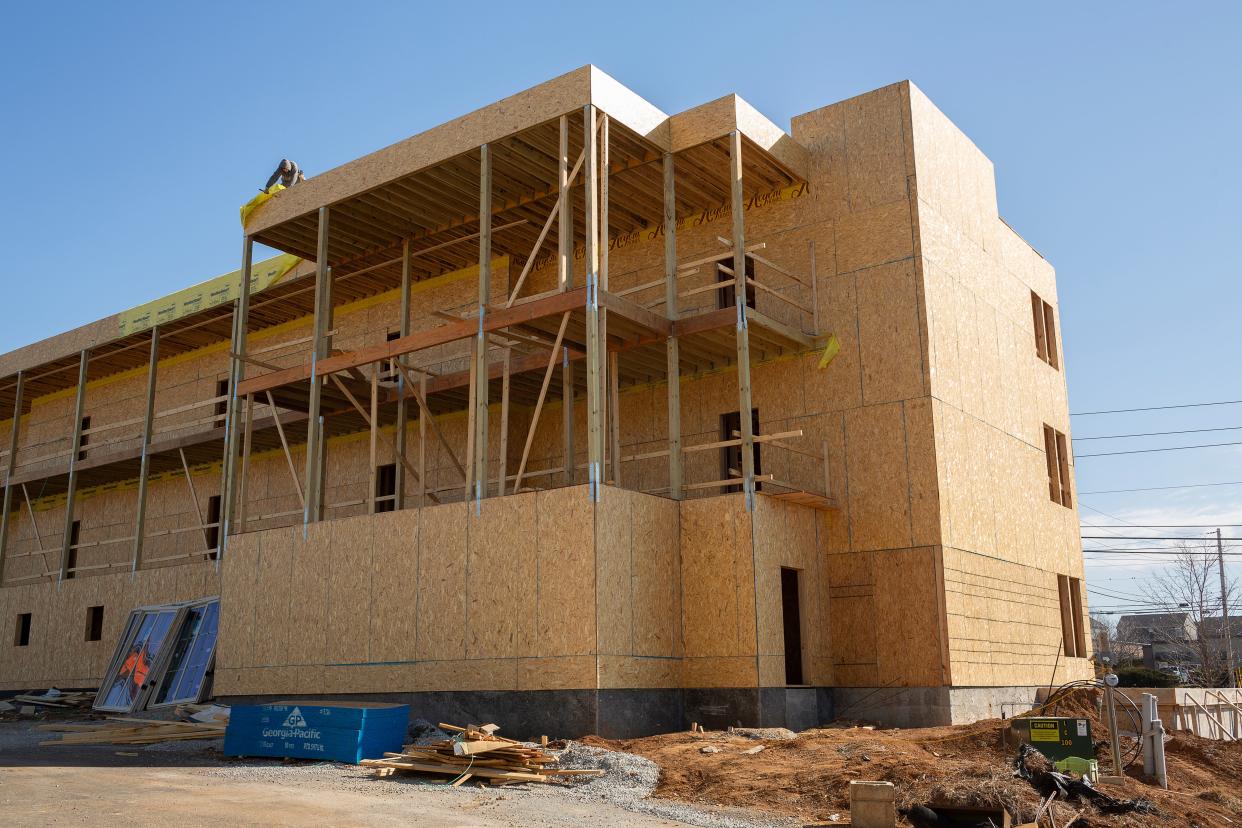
287, 172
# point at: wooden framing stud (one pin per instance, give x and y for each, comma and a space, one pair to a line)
743, 333
237, 372
403, 404
373, 428
676, 474
504, 421
594, 355
12, 464
565, 216
480, 349
71, 491
315, 443
567, 415
144, 464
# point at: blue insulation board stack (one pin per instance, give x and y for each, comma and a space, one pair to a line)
339, 731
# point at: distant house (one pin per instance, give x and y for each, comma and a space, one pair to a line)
1169, 637
1212, 632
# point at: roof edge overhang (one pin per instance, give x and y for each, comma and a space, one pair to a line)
547, 101
717, 118
568, 93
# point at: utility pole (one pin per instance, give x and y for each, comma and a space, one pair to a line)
1224, 613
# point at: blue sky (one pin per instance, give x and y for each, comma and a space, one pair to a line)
132, 132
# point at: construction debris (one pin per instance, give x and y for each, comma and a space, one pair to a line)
477, 752
122, 731
1037, 769
58, 698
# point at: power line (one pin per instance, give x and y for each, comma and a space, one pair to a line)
1154, 408
1148, 451
1150, 538
1157, 525
1164, 488
1157, 433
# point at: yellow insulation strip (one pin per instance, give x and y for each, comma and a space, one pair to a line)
253, 204
218, 291
831, 349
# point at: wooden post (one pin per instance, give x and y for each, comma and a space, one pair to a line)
471, 411
814, 289
243, 480
614, 418
12, 464
422, 442
144, 465
594, 369
743, 333
565, 219
567, 415
607, 362
237, 370
76, 446
373, 425
485, 297
504, 423
675, 459
319, 350
403, 403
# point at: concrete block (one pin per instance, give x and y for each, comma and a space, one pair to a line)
873, 805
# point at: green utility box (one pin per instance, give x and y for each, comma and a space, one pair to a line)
1057, 737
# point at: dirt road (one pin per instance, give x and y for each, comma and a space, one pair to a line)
186, 797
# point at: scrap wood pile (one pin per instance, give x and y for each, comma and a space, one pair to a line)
199, 721
57, 698
477, 753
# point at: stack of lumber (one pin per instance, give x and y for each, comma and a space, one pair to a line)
57, 698
476, 753
120, 731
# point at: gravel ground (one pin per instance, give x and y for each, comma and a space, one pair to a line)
102, 774
628, 781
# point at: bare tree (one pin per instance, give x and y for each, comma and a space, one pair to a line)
1191, 584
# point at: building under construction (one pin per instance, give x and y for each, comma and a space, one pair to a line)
579, 415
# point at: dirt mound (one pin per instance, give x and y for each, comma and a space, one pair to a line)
808, 776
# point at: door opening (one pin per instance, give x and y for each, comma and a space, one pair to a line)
791, 614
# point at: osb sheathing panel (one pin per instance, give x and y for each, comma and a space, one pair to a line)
274, 586
58, 653
717, 574
621, 671
888, 333
907, 618
349, 591
441, 607
558, 673
395, 554
852, 619
785, 536
566, 574
238, 572
654, 570
879, 480
1004, 623
501, 578
307, 632
614, 599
